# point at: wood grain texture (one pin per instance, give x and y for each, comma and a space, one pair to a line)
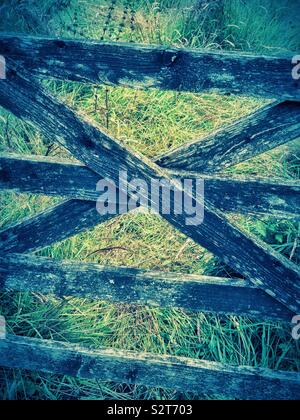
264, 130
152, 66
53, 225
273, 273
25, 273
198, 376
49, 176
255, 196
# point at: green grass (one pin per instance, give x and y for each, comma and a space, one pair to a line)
151, 123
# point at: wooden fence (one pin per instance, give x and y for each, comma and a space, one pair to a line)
270, 288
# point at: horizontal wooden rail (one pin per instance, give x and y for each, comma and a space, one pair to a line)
48, 176
120, 366
264, 130
189, 292
149, 66
253, 259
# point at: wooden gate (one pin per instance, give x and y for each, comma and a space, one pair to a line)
270, 288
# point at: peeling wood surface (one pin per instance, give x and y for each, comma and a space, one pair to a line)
132, 286
256, 261
53, 225
140, 66
264, 130
48, 176
120, 366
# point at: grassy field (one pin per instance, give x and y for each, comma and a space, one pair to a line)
152, 123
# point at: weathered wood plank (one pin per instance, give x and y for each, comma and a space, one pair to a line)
170, 290
253, 196
41, 175
266, 129
162, 371
47, 176
150, 66
273, 273
50, 226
